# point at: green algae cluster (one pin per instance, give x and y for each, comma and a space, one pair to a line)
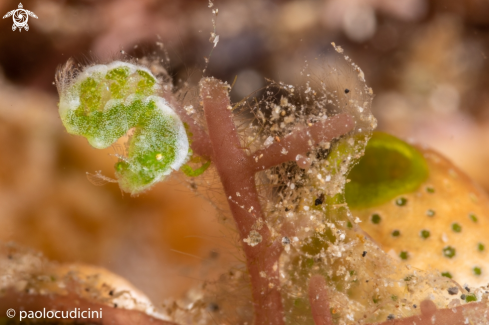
105, 102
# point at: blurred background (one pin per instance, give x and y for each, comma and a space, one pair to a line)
426, 60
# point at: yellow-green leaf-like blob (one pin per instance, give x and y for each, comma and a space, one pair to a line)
389, 168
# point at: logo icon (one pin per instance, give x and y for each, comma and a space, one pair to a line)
20, 16
11, 313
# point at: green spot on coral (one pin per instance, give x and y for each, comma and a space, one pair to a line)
456, 227
430, 189
376, 219
424, 233
480, 247
396, 233
447, 275
430, 213
473, 217
449, 251
389, 168
477, 270
404, 255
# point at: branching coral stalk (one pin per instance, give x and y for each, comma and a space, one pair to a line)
237, 172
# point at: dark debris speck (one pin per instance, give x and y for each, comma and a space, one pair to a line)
391, 317
453, 290
213, 307
462, 297
364, 253
319, 200
347, 91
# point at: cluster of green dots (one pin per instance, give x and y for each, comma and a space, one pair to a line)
105, 101
477, 270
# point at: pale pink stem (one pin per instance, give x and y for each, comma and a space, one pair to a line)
237, 177
318, 299
300, 141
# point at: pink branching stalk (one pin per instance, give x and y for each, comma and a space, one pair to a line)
237, 173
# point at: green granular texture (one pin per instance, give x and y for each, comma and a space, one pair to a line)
389, 168
152, 147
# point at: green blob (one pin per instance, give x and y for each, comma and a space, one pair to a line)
456, 227
430, 213
404, 255
118, 86
402, 201
190, 172
430, 189
473, 217
389, 168
447, 275
480, 247
449, 251
376, 219
396, 233
424, 233
477, 270
470, 297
